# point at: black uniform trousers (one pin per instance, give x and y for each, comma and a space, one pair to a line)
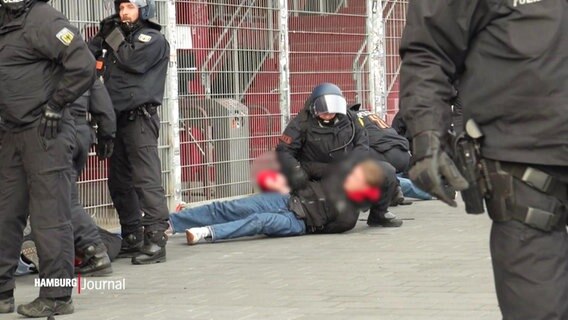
388, 190
397, 157
135, 177
531, 266
85, 230
36, 177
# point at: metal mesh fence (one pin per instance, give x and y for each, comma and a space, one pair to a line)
394, 17
327, 40
230, 57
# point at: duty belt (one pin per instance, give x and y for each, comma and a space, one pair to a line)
538, 180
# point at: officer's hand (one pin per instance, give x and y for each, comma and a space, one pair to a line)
108, 24
298, 179
105, 147
431, 164
50, 124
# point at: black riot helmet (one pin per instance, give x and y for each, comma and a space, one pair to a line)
17, 7
147, 7
326, 98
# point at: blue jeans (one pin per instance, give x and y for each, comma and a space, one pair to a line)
265, 213
411, 191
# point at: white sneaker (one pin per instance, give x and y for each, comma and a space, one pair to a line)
170, 231
196, 235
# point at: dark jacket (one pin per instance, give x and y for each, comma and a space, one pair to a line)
135, 74
382, 138
324, 205
307, 143
511, 60
43, 59
97, 102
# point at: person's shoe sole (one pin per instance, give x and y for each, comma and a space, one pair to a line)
97, 273
161, 258
29, 251
190, 238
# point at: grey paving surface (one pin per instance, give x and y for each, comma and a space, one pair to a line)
436, 266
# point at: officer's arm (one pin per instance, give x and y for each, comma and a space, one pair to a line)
361, 139
143, 53
100, 107
96, 45
56, 39
433, 49
289, 146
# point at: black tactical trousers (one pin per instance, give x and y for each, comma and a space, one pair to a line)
36, 177
135, 177
84, 228
398, 158
531, 266
388, 189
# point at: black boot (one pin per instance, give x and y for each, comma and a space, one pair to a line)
131, 244
7, 302
398, 198
45, 307
153, 250
96, 261
383, 219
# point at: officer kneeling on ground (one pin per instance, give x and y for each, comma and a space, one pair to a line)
324, 133
134, 56
44, 66
510, 61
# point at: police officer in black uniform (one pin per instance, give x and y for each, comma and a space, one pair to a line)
325, 132
44, 66
511, 60
384, 142
135, 56
95, 103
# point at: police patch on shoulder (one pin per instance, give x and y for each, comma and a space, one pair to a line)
144, 38
65, 36
286, 139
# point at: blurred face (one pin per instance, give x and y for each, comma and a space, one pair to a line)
327, 116
128, 12
356, 180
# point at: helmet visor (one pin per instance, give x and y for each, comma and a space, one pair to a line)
330, 103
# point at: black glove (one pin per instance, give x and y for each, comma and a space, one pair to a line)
105, 147
431, 163
108, 24
298, 178
50, 123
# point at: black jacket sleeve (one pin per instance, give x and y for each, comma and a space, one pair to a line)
316, 170
361, 139
100, 107
290, 144
139, 56
433, 50
57, 40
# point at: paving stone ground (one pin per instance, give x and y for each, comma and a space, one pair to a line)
437, 266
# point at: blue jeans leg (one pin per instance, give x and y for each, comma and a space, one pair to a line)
228, 211
411, 191
281, 224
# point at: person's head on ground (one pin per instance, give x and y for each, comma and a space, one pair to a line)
272, 181
325, 102
364, 181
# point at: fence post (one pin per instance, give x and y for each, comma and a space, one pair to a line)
173, 108
284, 64
377, 58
